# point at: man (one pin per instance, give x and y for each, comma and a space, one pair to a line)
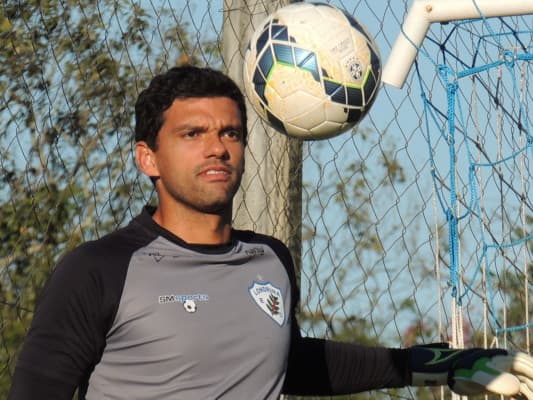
179, 305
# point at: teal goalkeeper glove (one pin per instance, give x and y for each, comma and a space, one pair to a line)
473, 371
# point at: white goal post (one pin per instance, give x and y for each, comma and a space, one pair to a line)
425, 12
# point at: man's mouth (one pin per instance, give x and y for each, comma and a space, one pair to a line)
216, 172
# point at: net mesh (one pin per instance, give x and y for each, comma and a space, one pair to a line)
415, 227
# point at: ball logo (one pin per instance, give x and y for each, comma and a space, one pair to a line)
189, 305
355, 68
189, 301
270, 300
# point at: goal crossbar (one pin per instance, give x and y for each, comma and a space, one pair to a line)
423, 13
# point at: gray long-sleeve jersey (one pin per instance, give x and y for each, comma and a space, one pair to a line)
139, 314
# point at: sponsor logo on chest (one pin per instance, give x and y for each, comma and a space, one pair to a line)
189, 301
270, 300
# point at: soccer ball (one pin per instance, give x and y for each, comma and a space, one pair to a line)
311, 70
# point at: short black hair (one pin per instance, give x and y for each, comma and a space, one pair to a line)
180, 83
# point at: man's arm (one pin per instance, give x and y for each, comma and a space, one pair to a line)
30, 385
323, 367
67, 333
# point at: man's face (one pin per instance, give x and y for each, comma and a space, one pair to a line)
200, 154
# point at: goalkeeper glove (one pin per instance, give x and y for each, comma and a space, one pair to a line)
473, 371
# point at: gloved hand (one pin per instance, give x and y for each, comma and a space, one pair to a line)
497, 371
473, 371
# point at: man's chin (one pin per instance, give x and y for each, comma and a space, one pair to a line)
210, 201
218, 203
216, 207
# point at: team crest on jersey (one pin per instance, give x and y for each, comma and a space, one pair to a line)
269, 299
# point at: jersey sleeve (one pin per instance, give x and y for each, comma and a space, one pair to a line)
321, 367
67, 334
29, 385
318, 367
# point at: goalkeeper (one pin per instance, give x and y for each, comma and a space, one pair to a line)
179, 305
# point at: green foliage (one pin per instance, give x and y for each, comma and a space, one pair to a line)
36, 227
70, 72
514, 282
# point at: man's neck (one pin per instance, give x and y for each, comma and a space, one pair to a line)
195, 227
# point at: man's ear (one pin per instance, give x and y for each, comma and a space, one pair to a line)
145, 159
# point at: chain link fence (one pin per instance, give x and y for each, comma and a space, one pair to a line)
365, 213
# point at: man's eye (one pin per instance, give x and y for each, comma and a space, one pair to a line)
192, 133
233, 134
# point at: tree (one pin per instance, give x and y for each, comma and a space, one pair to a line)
70, 72
513, 282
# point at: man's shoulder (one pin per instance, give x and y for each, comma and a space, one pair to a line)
114, 248
131, 236
249, 236
279, 248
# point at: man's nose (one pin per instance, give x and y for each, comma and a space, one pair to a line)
215, 146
